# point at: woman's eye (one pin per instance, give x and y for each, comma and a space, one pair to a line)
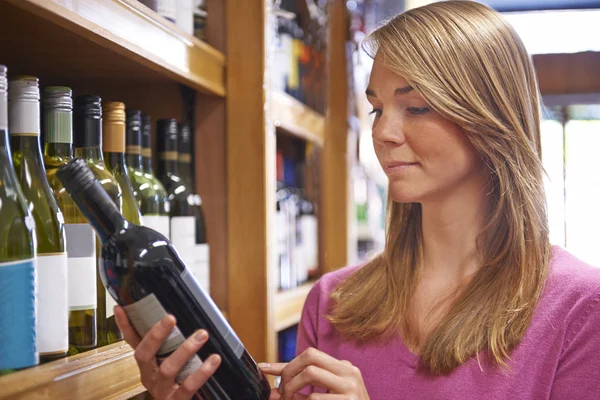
376, 112
418, 110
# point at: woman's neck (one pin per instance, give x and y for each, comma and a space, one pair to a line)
451, 228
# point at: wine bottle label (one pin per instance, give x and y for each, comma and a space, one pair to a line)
17, 314
144, 314
183, 238
203, 261
212, 311
160, 223
81, 266
53, 304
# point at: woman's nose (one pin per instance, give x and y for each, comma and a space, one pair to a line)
388, 132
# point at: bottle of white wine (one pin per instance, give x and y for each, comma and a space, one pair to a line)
183, 211
81, 239
17, 260
88, 146
184, 158
113, 147
164, 205
52, 289
150, 200
144, 273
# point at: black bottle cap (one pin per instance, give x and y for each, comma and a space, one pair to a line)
133, 135
75, 176
185, 139
87, 121
167, 135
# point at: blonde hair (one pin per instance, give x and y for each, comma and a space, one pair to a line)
470, 66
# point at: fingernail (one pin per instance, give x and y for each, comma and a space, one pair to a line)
214, 360
264, 365
200, 336
168, 321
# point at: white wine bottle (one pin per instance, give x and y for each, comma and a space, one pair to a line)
184, 158
113, 148
17, 260
52, 289
145, 274
184, 213
88, 146
152, 200
81, 239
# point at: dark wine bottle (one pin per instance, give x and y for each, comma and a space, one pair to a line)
144, 273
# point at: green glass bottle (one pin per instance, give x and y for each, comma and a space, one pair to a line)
81, 239
113, 147
87, 139
152, 201
148, 169
184, 159
184, 213
52, 289
17, 259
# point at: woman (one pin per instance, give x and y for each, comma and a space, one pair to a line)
468, 299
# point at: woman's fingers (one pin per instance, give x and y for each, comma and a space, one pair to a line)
126, 328
314, 376
314, 357
145, 353
194, 382
170, 367
272, 369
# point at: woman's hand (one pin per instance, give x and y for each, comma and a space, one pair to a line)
341, 379
160, 380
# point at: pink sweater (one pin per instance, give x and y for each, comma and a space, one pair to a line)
559, 357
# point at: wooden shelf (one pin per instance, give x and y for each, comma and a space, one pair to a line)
289, 304
292, 117
107, 373
121, 40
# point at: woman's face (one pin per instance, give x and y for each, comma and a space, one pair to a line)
425, 156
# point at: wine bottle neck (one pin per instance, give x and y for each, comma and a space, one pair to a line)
100, 210
147, 165
115, 161
29, 147
93, 153
134, 160
167, 164
58, 150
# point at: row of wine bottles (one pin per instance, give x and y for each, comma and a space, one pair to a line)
189, 15
296, 226
300, 47
48, 253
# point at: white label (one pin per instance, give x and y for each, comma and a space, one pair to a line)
110, 304
310, 241
53, 304
81, 266
159, 223
144, 314
183, 238
82, 283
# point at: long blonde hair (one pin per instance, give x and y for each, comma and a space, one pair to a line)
471, 67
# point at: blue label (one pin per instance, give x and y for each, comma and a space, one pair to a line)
17, 315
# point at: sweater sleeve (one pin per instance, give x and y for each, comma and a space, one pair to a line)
577, 373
